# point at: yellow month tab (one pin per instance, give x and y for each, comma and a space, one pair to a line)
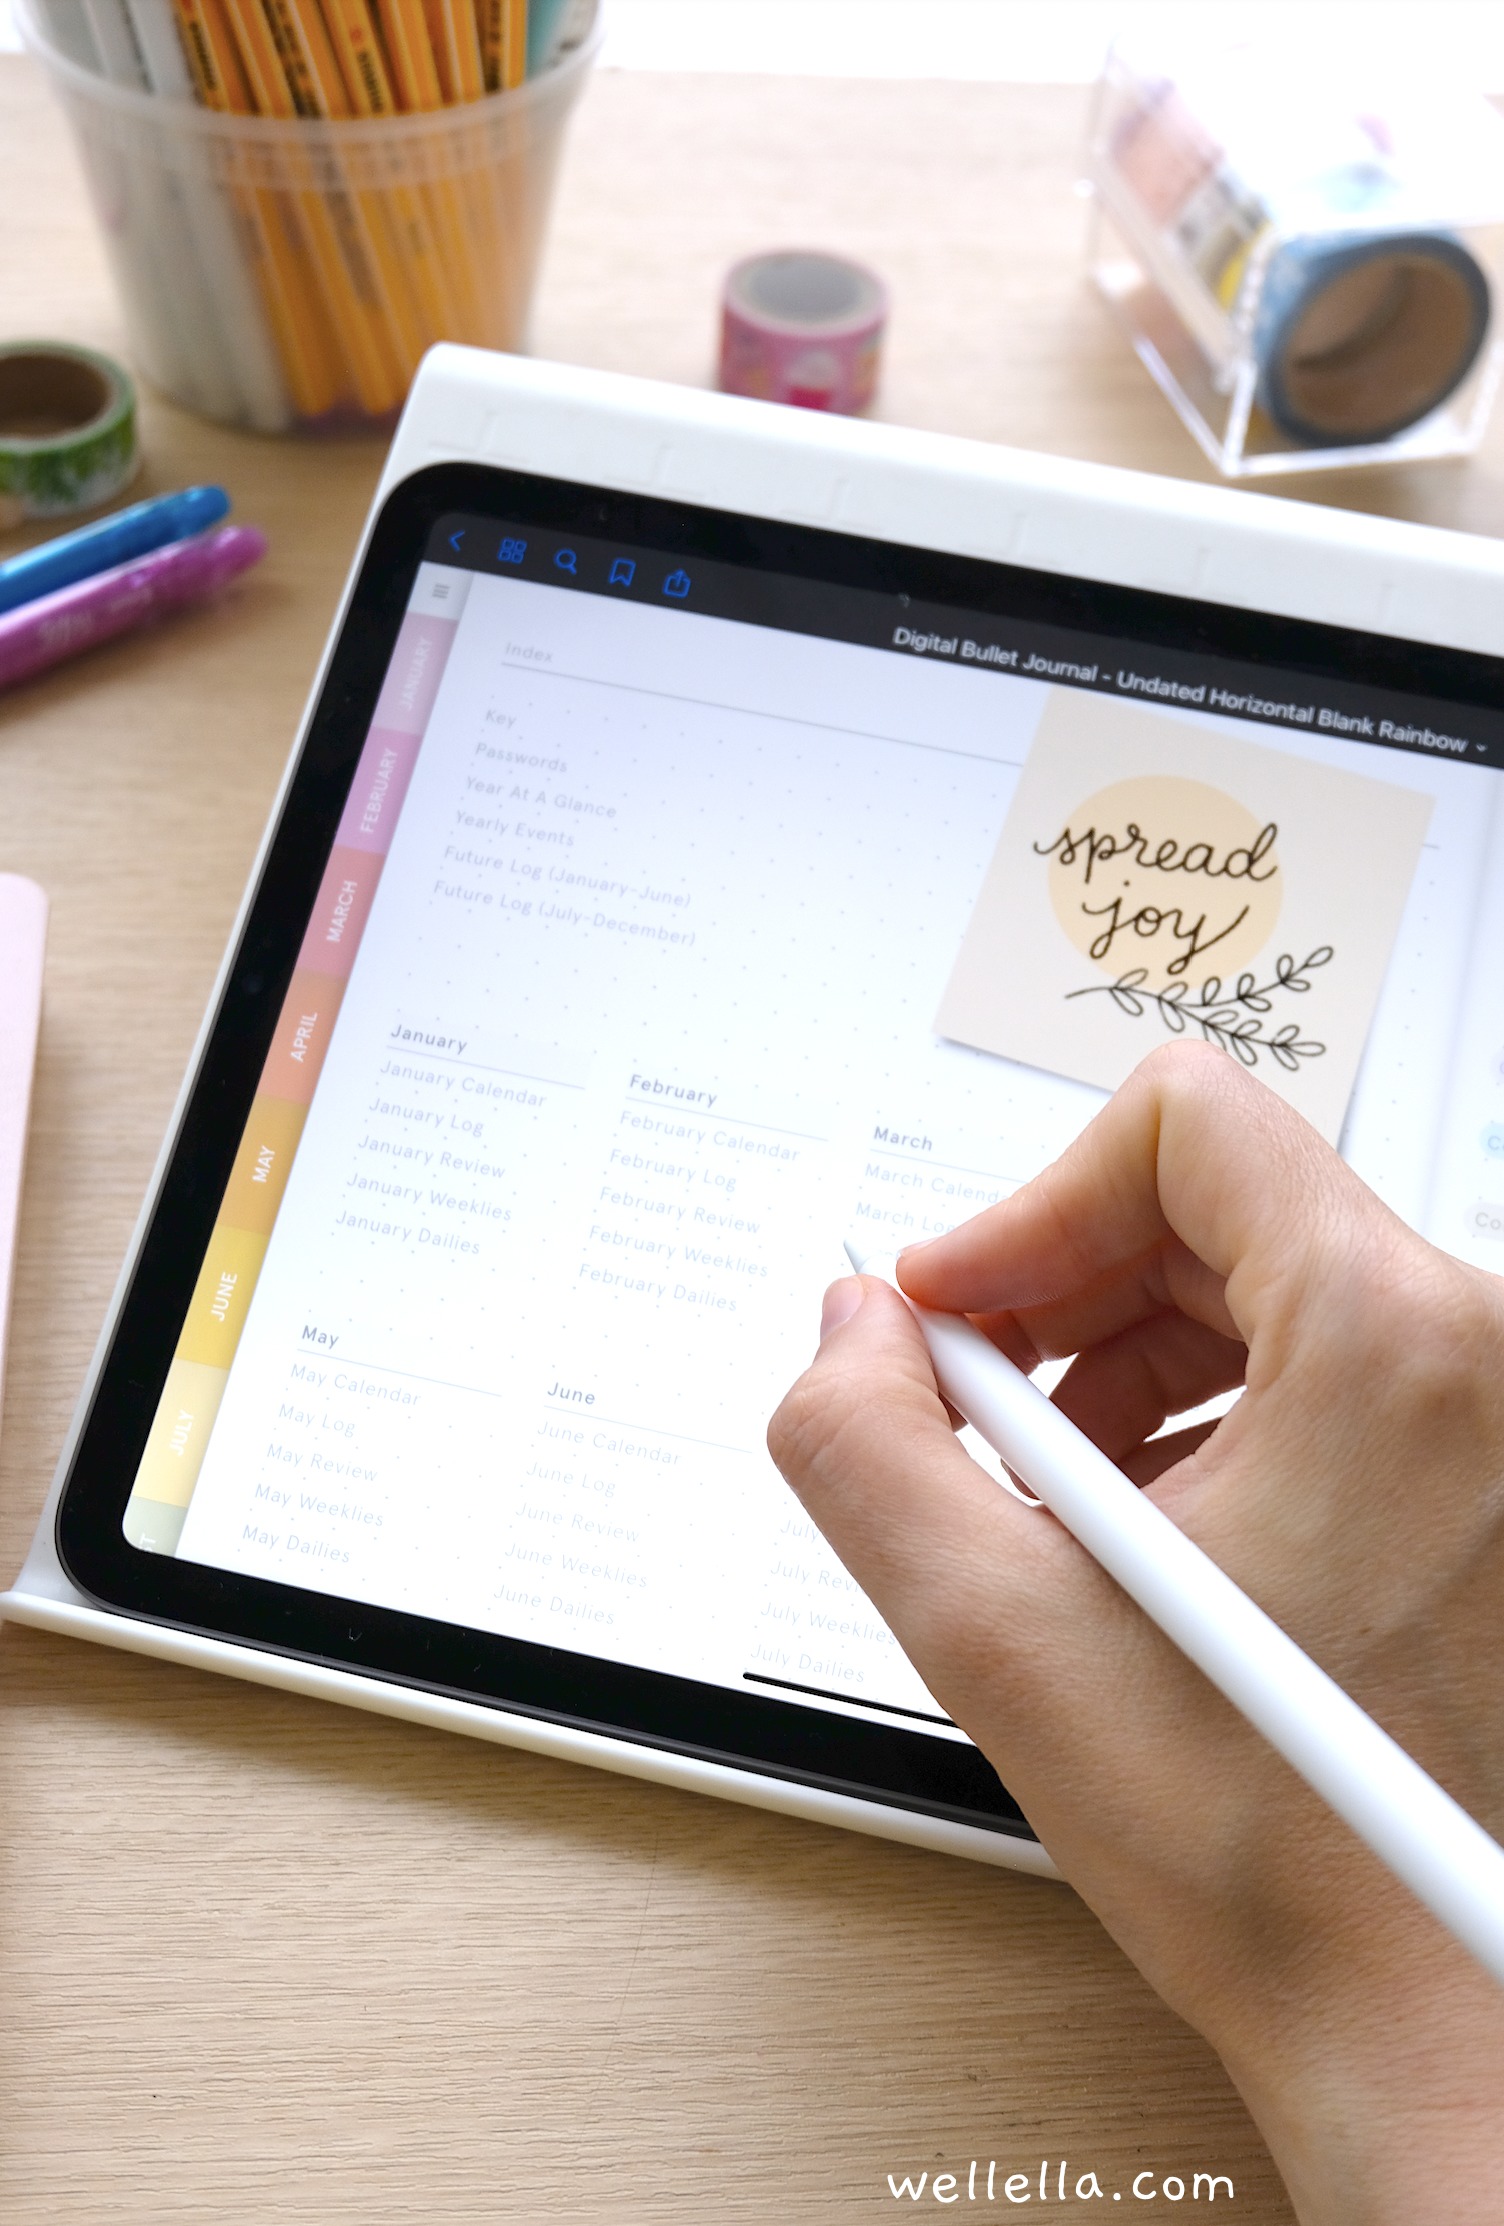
262, 1165
180, 1433
216, 1312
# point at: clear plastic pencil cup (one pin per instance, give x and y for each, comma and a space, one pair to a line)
288, 276
1305, 249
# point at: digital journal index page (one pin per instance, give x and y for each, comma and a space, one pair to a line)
679, 924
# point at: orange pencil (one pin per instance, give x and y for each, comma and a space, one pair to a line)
514, 44
271, 95
456, 47
465, 214
318, 86
428, 221
278, 259
358, 51
503, 42
502, 28
415, 73
504, 57
348, 283
297, 43
210, 53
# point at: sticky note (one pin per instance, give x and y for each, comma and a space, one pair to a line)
1157, 879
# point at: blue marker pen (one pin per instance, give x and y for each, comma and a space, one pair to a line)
111, 541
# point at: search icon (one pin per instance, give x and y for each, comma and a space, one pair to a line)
566, 561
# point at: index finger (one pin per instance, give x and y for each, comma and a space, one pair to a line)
1195, 1186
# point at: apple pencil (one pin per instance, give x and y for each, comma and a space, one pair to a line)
1420, 1832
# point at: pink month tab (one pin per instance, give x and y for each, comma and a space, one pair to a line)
339, 917
376, 793
413, 676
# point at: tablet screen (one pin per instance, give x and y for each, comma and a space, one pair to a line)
684, 917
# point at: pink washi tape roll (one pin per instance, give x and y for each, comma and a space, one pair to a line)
803, 328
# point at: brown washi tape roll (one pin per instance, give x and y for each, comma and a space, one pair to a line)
67, 430
1358, 339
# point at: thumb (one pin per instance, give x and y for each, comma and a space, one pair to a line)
965, 1576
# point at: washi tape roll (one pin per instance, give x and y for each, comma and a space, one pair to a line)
1282, 197
67, 430
1358, 339
804, 328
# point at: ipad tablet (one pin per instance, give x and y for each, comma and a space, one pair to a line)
662, 888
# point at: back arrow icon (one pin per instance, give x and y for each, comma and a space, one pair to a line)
456, 538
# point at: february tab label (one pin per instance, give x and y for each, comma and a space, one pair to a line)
377, 791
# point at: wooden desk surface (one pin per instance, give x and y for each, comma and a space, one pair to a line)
269, 1961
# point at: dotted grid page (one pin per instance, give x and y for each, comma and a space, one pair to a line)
640, 1027
1465, 1201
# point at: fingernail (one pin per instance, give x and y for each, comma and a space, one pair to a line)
841, 1302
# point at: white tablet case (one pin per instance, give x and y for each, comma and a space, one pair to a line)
1289, 559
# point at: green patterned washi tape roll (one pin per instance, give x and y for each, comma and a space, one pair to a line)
67, 430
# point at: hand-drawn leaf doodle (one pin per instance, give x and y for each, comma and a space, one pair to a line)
1230, 1019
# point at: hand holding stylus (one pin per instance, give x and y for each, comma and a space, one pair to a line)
1197, 1237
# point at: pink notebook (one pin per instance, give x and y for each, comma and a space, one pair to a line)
23, 941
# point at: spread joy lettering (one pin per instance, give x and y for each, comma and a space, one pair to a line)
1159, 878
1155, 879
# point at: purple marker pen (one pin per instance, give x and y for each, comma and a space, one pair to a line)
56, 626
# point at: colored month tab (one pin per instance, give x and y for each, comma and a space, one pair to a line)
376, 793
340, 912
299, 1046
221, 1296
221, 1299
263, 1164
413, 676
180, 1433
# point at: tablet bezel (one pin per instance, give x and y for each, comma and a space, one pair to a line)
875, 1762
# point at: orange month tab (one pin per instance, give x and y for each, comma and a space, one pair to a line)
302, 1038
262, 1164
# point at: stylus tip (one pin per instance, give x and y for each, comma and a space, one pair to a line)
855, 1255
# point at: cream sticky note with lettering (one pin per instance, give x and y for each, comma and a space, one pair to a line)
1156, 879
